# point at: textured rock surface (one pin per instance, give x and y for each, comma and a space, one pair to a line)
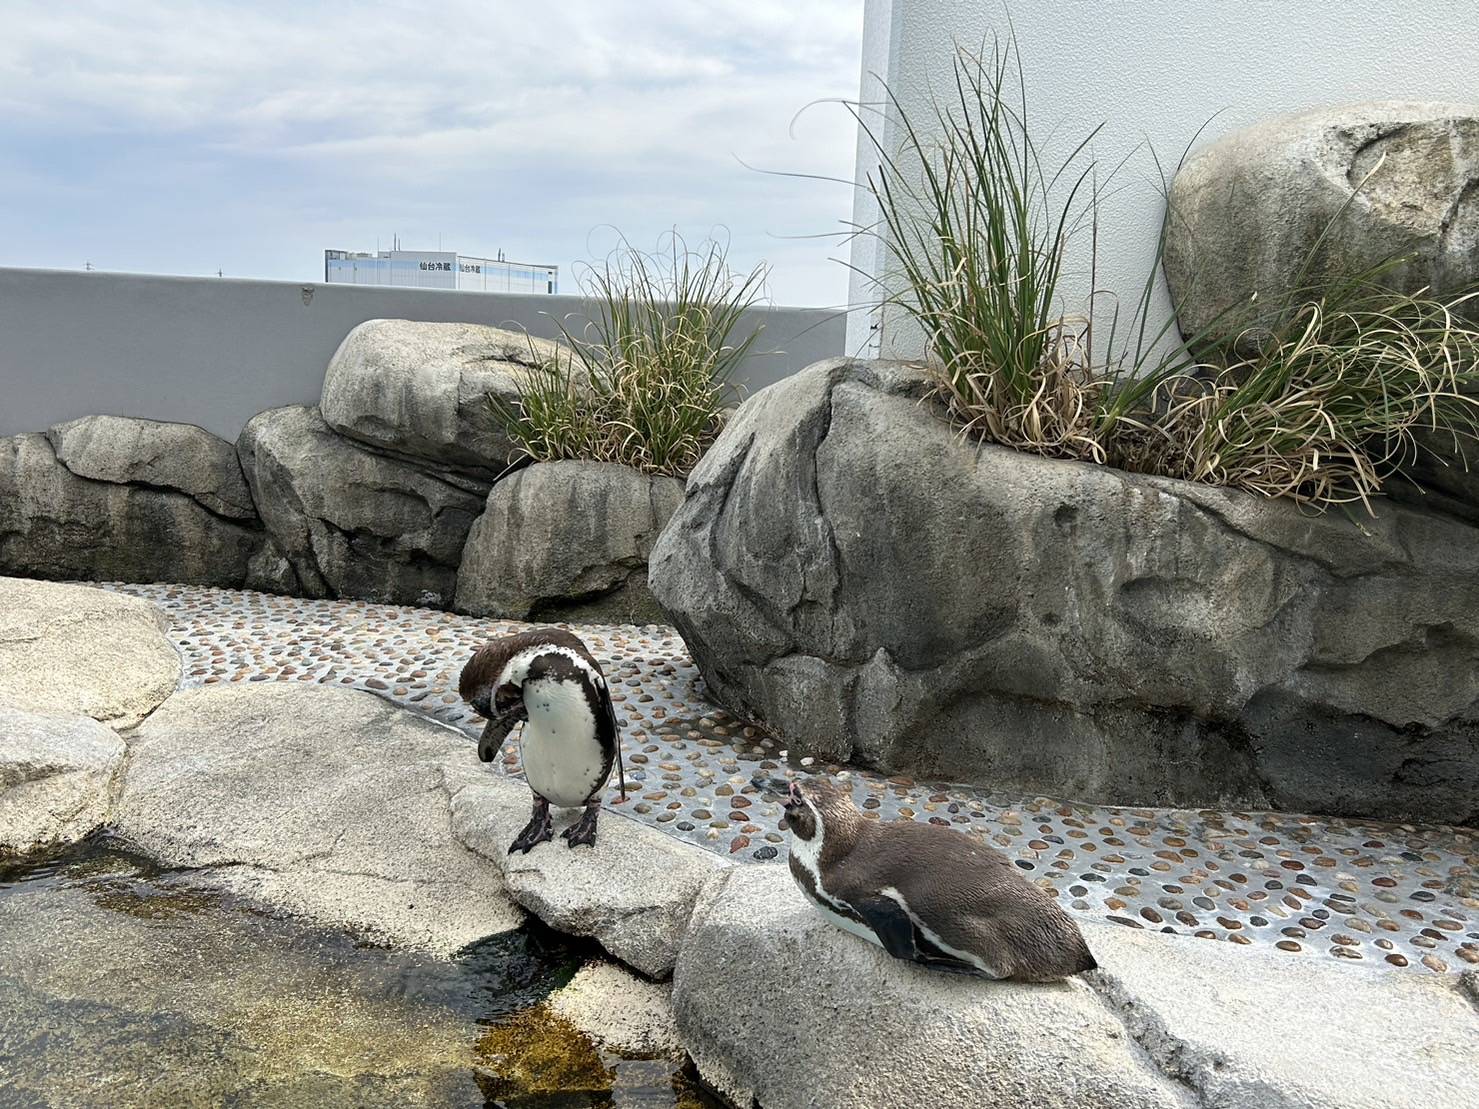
123, 992
72, 650
776, 1004
420, 389
354, 523
632, 892
1218, 1017
108, 499
567, 541
329, 803
983, 615
1248, 209
616, 1008
1167, 1020
56, 777
181, 457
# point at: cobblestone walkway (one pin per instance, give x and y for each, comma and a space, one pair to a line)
1392, 894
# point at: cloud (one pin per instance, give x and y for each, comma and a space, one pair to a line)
411, 118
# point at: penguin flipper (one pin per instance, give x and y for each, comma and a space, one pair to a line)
901, 938
891, 924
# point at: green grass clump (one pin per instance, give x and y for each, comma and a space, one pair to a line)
1321, 396
648, 377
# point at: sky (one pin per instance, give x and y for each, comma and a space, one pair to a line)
162, 136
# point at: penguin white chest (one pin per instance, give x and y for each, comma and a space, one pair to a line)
563, 760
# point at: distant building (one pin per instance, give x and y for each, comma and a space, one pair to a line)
438, 269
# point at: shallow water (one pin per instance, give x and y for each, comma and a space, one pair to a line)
123, 983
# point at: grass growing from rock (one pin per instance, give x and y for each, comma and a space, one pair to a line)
649, 376
1322, 397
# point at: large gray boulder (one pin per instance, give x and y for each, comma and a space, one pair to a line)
112, 498
182, 457
56, 778
632, 892
328, 803
777, 1005
355, 523
1246, 211
421, 390
567, 541
852, 572
74, 650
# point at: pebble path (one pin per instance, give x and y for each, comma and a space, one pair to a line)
1394, 895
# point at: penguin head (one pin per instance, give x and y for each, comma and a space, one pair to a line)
494, 693
814, 805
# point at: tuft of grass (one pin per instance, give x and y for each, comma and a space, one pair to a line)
648, 376
1321, 398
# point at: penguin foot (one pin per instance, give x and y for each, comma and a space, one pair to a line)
538, 830
583, 831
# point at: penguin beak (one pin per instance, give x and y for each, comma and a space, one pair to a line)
493, 736
777, 789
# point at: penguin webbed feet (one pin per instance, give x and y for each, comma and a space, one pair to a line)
583, 832
538, 830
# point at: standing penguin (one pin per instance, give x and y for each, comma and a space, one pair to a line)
926, 893
547, 678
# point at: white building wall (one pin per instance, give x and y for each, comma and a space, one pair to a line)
440, 269
1155, 71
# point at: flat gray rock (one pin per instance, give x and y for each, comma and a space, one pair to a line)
56, 778
567, 541
129, 451
1245, 1027
352, 522
420, 390
73, 650
1247, 210
632, 892
986, 615
776, 1004
329, 803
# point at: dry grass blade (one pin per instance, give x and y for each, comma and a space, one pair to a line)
648, 379
1346, 376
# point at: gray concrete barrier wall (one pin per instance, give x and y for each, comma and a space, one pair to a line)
216, 351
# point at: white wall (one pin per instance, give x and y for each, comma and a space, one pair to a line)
216, 351
1155, 71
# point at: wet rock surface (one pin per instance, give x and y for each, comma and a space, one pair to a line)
326, 803
121, 984
1248, 209
57, 778
353, 522
420, 390
567, 541
979, 614
607, 892
73, 650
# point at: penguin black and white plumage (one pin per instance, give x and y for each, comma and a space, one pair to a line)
925, 893
547, 678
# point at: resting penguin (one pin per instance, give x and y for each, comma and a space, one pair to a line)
925, 893
548, 679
